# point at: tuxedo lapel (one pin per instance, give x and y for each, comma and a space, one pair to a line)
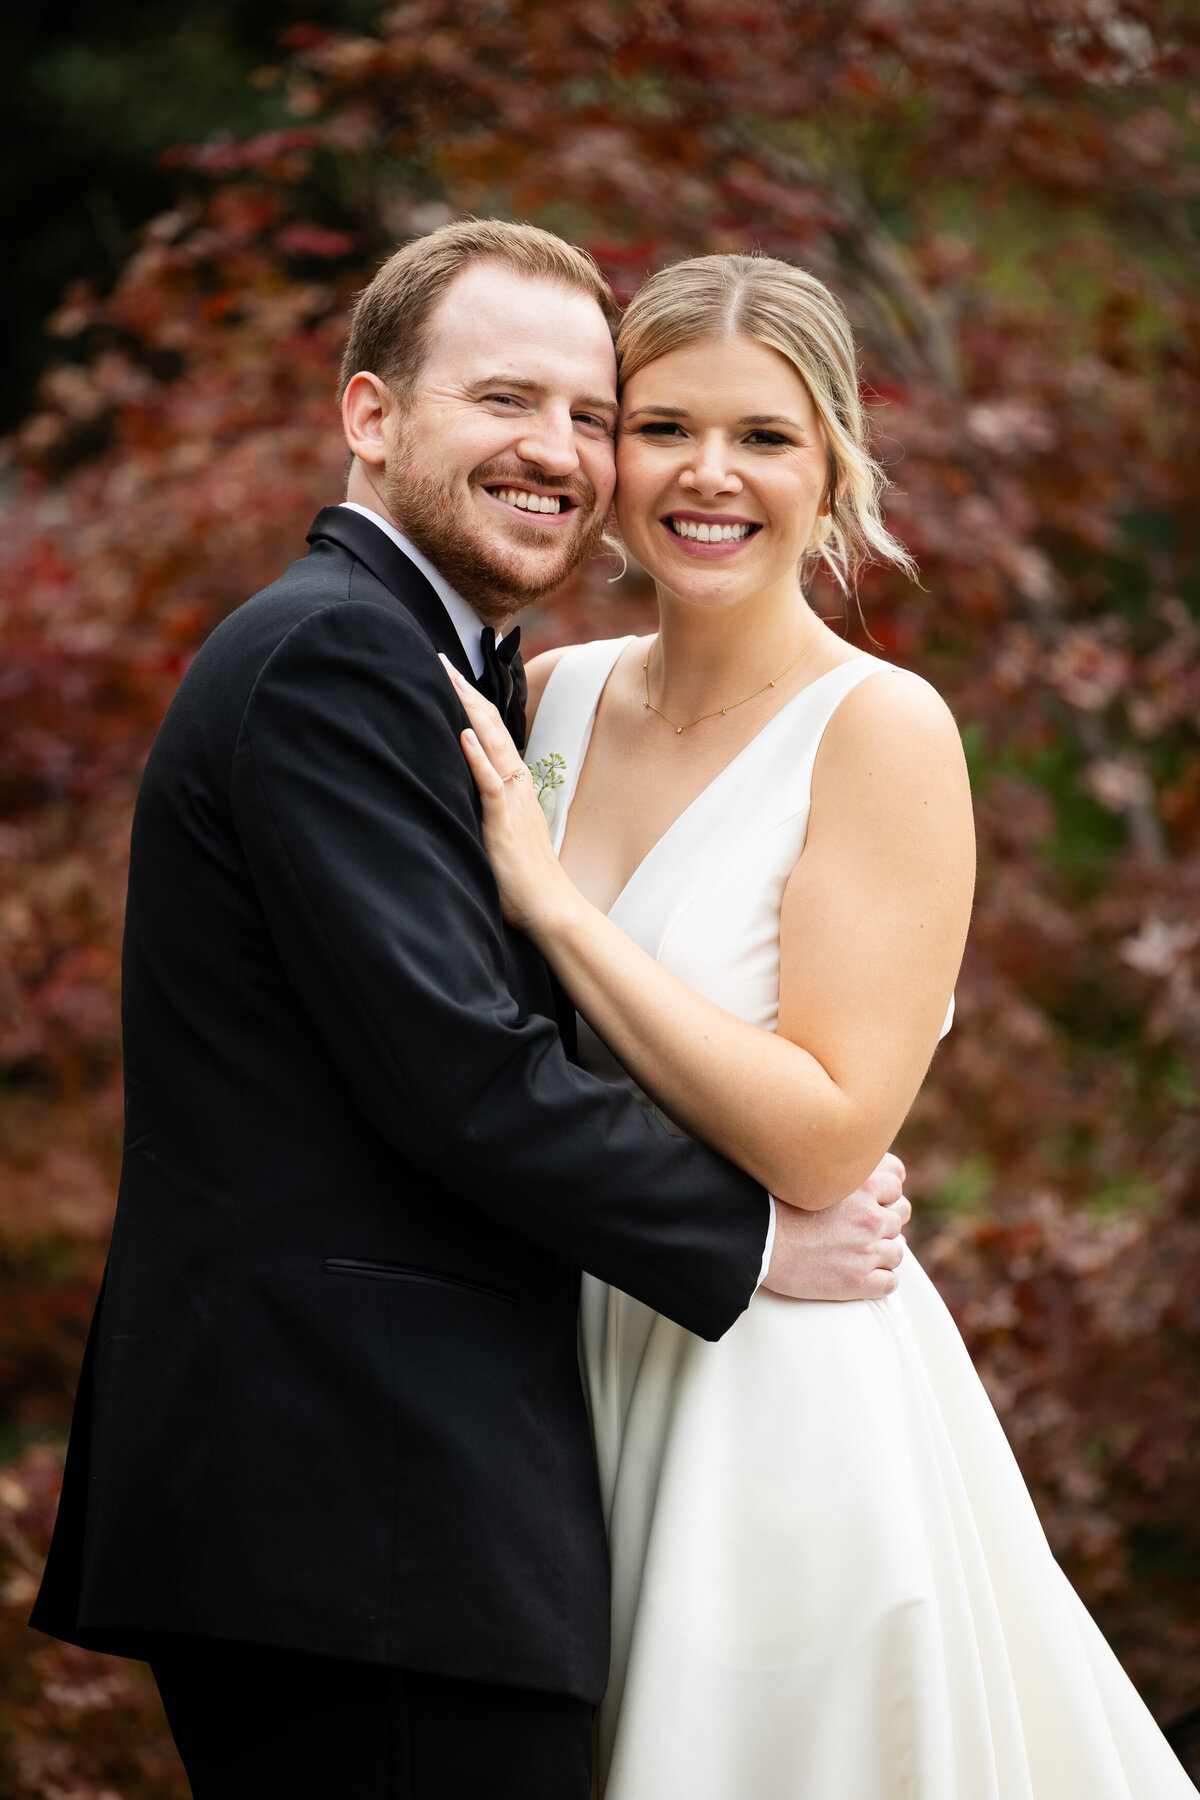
503, 678
399, 575
504, 671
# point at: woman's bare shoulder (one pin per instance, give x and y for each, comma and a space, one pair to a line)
892, 755
904, 707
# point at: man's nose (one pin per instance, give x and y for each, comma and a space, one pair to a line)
711, 471
548, 440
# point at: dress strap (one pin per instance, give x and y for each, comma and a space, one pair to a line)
566, 713
802, 725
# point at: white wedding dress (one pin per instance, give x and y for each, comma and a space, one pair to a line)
829, 1580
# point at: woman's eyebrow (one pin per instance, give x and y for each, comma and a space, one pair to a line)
681, 412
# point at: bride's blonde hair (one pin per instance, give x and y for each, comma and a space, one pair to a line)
792, 312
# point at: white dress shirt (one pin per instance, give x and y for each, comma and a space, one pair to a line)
469, 626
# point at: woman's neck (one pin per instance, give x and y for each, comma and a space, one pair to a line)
713, 656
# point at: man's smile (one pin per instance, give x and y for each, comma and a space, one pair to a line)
547, 508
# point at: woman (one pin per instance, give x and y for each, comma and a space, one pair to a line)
829, 1582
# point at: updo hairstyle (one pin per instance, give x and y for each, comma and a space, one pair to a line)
789, 310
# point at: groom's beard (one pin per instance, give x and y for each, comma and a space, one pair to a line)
497, 578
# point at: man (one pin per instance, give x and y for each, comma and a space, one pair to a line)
330, 1470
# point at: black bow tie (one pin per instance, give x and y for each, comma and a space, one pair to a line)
503, 679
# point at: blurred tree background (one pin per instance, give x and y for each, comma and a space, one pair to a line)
1006, 193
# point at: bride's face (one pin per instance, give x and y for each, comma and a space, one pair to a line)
721, 470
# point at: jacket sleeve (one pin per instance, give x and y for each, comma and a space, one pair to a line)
360, 823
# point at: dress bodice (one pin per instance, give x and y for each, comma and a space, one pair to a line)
705, 901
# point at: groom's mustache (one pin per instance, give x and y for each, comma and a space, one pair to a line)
576, 488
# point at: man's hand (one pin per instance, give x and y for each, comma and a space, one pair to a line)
850, 1251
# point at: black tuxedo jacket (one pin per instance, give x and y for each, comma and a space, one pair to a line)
331, 1399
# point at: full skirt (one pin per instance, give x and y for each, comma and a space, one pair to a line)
829, 1580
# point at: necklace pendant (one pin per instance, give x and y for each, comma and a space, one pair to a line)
679, 731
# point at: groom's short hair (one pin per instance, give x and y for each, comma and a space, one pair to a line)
389, 331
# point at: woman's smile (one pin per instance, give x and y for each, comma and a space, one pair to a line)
709, 534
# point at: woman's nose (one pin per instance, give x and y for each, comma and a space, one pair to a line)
711, 470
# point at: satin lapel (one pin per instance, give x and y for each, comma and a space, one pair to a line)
376, 551
405, 582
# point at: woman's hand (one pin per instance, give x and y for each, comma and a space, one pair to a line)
515, 835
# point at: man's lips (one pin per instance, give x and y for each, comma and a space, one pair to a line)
541, 506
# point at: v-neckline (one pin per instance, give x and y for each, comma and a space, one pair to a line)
708, 787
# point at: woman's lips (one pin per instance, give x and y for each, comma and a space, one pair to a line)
714, 535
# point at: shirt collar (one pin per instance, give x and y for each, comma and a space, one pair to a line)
463, 617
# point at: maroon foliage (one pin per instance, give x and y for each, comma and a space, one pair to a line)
1005, 194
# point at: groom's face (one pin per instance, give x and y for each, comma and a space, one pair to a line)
500, 468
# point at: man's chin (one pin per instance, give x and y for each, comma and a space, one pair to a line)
503, 577
512, 590
497, 566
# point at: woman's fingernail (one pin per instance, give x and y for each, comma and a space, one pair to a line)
469, 734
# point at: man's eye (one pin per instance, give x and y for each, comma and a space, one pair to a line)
590, 420
504, 399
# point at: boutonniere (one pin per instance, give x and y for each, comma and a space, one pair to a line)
549, 773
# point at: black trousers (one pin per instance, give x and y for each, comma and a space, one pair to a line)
258, 1724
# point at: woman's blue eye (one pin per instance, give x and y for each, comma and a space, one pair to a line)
661, 429
772, 438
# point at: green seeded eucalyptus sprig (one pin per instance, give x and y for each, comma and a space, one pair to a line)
549, 773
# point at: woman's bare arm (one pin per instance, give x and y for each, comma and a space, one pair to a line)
874, 922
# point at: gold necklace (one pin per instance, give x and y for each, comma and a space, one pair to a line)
733, 706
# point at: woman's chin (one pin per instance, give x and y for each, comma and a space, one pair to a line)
706, 574
715, 591
726, 581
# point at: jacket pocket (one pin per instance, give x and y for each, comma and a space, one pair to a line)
381, 1271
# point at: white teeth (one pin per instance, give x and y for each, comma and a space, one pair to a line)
709, 534
545, 503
